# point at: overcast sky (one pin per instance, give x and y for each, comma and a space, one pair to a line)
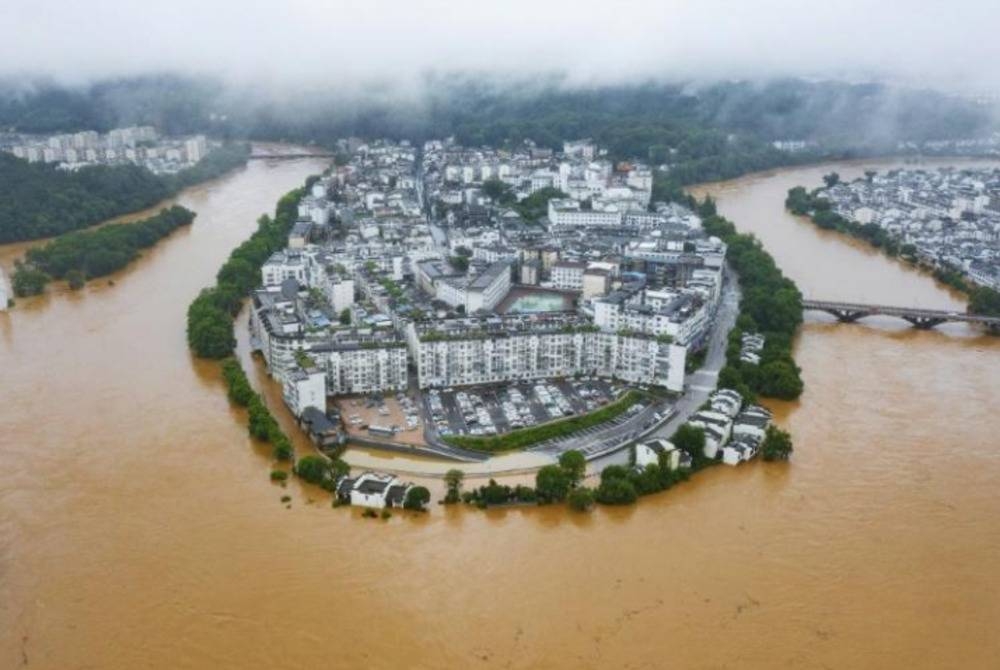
928, 42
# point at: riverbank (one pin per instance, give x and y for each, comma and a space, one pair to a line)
85, 255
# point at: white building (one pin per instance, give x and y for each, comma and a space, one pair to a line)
650, 453
569, 213
680, 316
717, 427
568, 275
373, 489
302, 388
360, 369
464, 352
195, 148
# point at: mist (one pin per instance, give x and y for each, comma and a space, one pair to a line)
392, 46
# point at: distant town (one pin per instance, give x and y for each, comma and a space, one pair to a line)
138, 145
946, 217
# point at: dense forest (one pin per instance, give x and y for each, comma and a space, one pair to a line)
38, 200
77, 257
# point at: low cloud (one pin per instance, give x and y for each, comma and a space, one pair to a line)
298, 43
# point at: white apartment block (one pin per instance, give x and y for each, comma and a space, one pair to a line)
365, 369
339, 292
568, 275
457, 358
677, 315
568, 213
304, 388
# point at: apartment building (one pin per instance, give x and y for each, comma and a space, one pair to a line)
501, 349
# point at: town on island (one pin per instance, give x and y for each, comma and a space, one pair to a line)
467, 304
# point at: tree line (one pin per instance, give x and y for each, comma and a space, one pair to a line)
210, 316
39, 200
771, 304
80, 256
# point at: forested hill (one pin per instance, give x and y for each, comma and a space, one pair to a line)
38, 200
692, 120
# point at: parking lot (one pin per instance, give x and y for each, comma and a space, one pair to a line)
395, 417
609, 436
492, 410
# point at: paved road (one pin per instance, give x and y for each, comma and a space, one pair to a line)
700, 384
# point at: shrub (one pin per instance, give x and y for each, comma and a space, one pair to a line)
777, 445
690, 439
313, 469
278, 475
616, 491
552, 483
580, 499
416, 498
237, 385
574, 464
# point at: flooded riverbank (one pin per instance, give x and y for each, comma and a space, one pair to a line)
138, 527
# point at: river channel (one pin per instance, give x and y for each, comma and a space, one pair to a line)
138, 528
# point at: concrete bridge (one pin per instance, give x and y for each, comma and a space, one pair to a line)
849, 312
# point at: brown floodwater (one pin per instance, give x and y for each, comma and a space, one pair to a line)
138, 527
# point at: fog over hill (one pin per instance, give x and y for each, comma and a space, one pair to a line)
306, 42
852, 73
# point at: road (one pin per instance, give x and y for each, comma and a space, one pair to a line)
700, 384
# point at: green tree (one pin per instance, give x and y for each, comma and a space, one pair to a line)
691, 440
984, 301
499, 192
453, 481
75, 279
345, 316
780, 379
27, 280
777, 445
552, 483
237, 385
580, 499
313, 469
831, 179
416, 498
616, 491
614, 472
575, 465
283, 451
